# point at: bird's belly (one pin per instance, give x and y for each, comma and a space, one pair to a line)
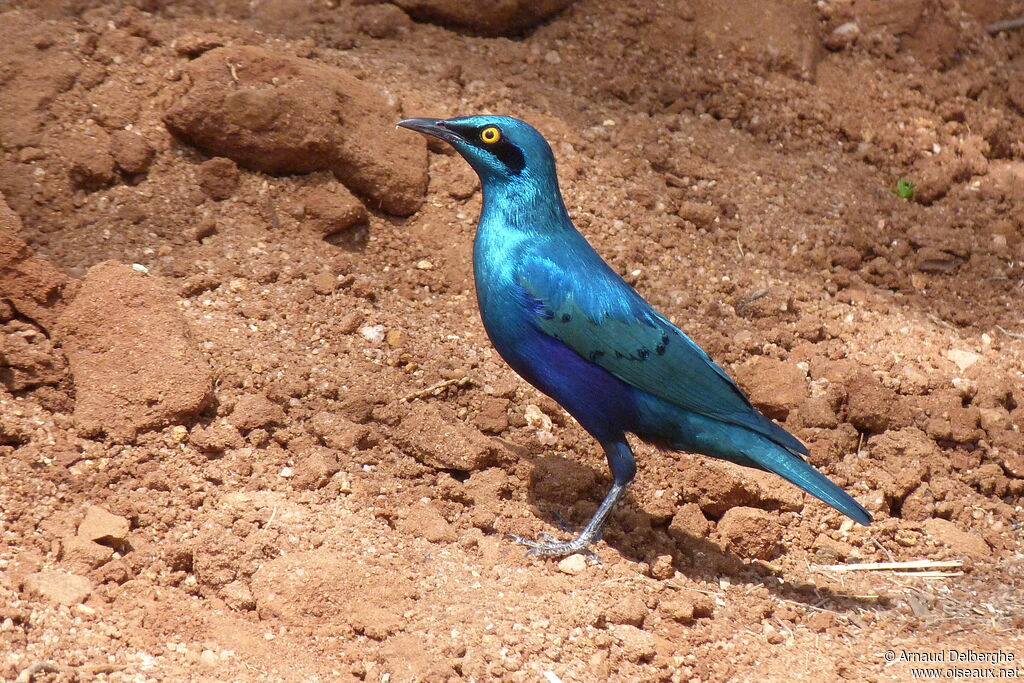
603, 404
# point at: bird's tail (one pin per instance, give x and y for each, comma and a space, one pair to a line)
793, 468
751, 446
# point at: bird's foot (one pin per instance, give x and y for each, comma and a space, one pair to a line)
549, 546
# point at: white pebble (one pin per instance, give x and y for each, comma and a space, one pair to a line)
374, 333
573, 565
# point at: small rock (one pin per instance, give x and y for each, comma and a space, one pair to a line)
209, 659
688, 523
842, 36
372, 333
493, 416
637, 645
132, 153
424, 521
323, 283
919, 505
816, 411
715, 489
102, 527
382, 21
686, 607
443, 442
216, 438
963, 359
256, 411
573, 565
58, 586
871, 407
218, 177
933, 177
35, 287
29, 358
772, 635
331, 209
315, 468
751, 532
775, 387
338, 432
1013, 460
960, 541
846, 256
630, 610
90, 166
237, 596
701, 215
662, 567
81, 555
376, 622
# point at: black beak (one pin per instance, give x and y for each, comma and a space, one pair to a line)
434, 127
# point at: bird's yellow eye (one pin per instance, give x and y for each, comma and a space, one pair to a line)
490, 134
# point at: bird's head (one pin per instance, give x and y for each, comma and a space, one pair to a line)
499, 148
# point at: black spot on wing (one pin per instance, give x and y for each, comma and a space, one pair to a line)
595, 356
643, 354
566, 317
661, 347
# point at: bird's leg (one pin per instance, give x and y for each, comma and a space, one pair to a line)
623, 467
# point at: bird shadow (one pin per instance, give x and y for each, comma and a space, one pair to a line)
566, 493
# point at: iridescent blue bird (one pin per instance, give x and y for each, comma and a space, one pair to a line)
566, 322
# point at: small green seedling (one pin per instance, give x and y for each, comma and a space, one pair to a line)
904, 189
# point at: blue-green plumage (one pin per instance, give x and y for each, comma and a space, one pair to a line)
566, 322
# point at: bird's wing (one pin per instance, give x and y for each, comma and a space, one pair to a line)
604, 320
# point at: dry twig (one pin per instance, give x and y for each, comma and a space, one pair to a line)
436, 389
1007, 25
890, 566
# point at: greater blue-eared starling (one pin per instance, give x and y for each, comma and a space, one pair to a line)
573, 328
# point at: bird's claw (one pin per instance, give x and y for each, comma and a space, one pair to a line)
549, 546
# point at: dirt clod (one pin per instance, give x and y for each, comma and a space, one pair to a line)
101, 526
218, 177
751, 532
283, 114
58, 586
134, 363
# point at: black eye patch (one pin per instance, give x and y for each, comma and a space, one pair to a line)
508, 154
